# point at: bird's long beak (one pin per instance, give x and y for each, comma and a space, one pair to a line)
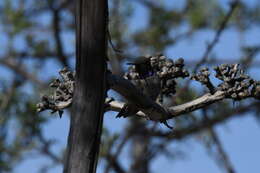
130, 63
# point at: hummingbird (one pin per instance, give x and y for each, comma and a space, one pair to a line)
150, 86
143, 68
147, 82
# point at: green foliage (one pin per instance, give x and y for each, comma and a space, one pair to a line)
204, 14
15, 18
19, 126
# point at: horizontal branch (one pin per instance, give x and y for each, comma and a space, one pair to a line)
235, 85
178, 110
114, 105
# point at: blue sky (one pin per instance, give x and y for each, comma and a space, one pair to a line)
240, 136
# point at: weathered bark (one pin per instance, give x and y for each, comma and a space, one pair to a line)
89, 95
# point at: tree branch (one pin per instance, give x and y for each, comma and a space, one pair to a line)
233, 5
235, 85
20, 69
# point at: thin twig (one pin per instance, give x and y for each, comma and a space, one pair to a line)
222, 27
21, 70
221, 152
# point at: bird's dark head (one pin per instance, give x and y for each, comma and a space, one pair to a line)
143, 66
140, 60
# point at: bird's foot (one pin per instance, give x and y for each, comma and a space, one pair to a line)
166, 124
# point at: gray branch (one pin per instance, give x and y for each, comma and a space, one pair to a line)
235, 85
